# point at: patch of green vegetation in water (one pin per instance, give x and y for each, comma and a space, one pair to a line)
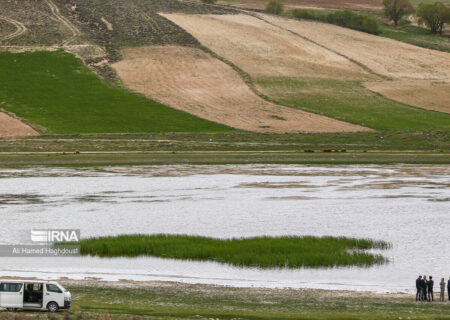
350, 101
263, 252
56, 91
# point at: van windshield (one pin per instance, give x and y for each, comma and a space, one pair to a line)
62, 288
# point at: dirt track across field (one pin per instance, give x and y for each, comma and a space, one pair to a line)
191, 80
74, 30
262, 49
427, 94
20, 29
13, 128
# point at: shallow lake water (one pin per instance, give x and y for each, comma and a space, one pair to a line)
407, 205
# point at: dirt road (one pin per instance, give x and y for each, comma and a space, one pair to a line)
65, 21
20, 29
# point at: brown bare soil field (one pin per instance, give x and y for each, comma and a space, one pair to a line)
384, 56
13, 128
262, 49
432, 95
191, 80
361, 5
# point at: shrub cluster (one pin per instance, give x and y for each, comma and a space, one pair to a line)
344, 18
434, 16
274, 7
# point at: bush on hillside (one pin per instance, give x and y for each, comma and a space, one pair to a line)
305, 14
434, 16
397, 9
275, 7
209, 1
344, 18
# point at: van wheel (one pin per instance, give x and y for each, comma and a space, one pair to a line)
52, 307
11, 309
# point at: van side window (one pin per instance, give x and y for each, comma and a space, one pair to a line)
10, 287
53, 288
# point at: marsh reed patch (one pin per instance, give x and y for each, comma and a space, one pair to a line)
263, 252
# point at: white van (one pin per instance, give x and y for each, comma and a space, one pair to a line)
38, 295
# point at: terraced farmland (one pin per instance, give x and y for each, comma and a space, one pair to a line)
331, 65
191, 80
245, 70
262, 49
386, 57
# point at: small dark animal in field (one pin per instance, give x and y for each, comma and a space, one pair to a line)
327, 150
76, 151
308, 150
64, 153
343, 150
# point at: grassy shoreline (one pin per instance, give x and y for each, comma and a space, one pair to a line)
161, 300
262, 252
221, 158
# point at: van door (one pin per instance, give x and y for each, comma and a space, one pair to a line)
11, 295
53, 293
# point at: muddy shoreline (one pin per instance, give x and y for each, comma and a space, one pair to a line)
131, 284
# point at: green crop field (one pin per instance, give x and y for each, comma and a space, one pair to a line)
264, 252
350, 101
54, 90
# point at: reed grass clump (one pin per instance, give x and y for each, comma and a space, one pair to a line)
263, 252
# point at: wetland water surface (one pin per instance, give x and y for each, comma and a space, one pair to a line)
407, 205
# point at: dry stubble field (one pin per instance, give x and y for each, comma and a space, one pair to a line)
14, 128
261, 49
432, 95
318, 50
191, 80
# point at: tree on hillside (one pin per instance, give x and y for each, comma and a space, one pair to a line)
397, 9
434, 16
274, 6
209, 1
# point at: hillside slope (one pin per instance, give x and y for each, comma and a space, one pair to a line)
238, 68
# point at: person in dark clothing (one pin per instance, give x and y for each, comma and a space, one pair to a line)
448, 288
418, 287
430, 285
424, 288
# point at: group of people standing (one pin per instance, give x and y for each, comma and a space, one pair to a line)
425, 289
